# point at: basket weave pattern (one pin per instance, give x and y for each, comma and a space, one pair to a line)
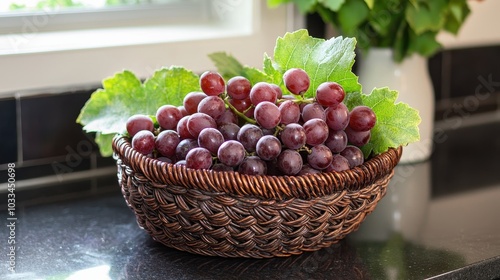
234, 215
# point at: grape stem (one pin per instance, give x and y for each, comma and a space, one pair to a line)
240, 114
306, 149
298, 101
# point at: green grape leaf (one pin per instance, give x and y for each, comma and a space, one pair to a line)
323, 60
124, 95
228, 67
104, 142
397, 123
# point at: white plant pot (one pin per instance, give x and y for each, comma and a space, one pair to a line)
411, 78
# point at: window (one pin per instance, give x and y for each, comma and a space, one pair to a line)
21, 16
53, 50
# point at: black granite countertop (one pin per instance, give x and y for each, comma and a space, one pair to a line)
439, 218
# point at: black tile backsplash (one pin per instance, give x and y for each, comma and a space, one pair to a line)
48, 124
467, 80
8, 131
52, 144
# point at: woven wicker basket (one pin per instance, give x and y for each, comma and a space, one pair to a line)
234, 215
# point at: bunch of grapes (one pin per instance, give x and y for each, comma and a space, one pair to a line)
255, 129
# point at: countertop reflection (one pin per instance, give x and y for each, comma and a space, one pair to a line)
419, 230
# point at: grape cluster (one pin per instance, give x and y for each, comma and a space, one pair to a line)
255, 129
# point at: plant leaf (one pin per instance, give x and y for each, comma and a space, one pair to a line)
370, 3
329, 60
397, 123
123, 95
458, 12
276, 3
335, 5
428, 16
305, 6
351, 15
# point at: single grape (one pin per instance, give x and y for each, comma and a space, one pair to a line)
221, 167
336, 141
241, 105
268, 147
168, 116
199, 158
166, 143
296, 81
289, 162
268, 131
238, 87
248, 135
137, 123
313, 111
191, 101
339, 163
180, 162
290, 112
165, 159
267, 114
320, 157
182, 110
362, 118
212, 83
277, 89
316, 131
144, 142
229, 131
253, 165
210, 139
231, 153
184, 147
306, 169
198, 121
293, 136
227, 117
263, 91
354, 155
329, 94
182, 129
337, 118
357, 138
213, 106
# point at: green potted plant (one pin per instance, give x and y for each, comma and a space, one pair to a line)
394, 37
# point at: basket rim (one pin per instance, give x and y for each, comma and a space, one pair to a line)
162, 174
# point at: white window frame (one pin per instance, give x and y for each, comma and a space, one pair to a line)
82, 58
106, 17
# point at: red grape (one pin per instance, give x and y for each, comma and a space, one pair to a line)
238, 87
329, 94
362, 118
212, 83
296, 80
137, 123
